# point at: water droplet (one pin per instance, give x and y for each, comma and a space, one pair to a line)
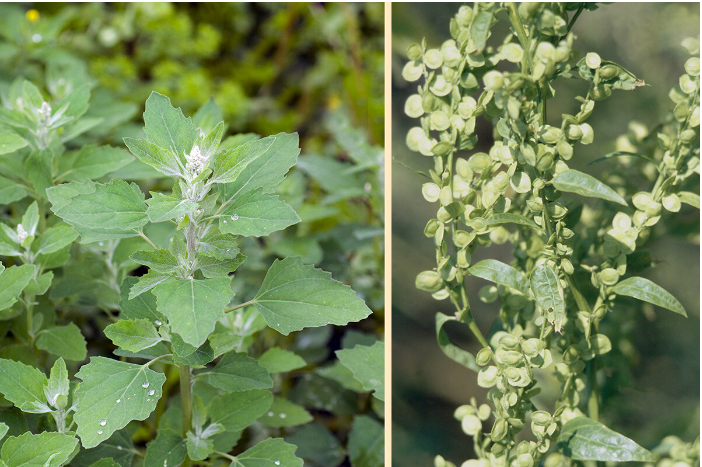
119, 448
165, 463
36, 38
158, 323
119, 400
145, 385
270, 414
283, 415
277, 462
235, 217
99, 432
101, 243
152, 392
103, 422
225, 221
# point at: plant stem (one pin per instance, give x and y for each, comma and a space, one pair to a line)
141, 234
186, 401
467, 317
593, 405
236, 307
521, 35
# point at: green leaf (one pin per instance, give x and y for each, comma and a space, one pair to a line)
55, 238
480, 30
91, 162
115, 393
368, 366
40, 284
61, 195
23, 385
228, 165
317, 444
284, 413
10, 142
118, 447
621, 153
548, 292
164, 208
46, 449
133, 335
585, 439
162, 261
277, 360
3, 430
199, 357
237, 410
167, 449
199, 448
64, 341
644, 289
238, 372
507, 218
687, 197
193, 306
167, 127
294, 296
500, 273
10, 191
341, 374
215, 268
114, 210
146, 282
451, 350
157, 157
366, 442
269, 169
218, 246
273, 452
77, 101
573, 181
256, 214
141, 307
12, 281
334, 177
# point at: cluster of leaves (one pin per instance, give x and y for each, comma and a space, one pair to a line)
73, 241
567, 253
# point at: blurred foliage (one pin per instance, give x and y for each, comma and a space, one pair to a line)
638, 393
263, 68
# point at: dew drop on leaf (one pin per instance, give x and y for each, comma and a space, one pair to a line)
152, 392
270, 414
99, 432
145, 385
235, 217
103, 422
277, 462
158, 323
119, 400
283, 415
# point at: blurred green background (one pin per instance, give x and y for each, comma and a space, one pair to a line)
660, 396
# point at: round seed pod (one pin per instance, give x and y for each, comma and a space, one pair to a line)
493, 80
439, 121
412, 71
567, 266
431, 228
588, 134
508, 341
414, 137
621, 221
544, 162
429, 281
499, 429
600, 93
549, 134
463, 258
653, 209
687, 84
531, 347
471, 425
641, 200
593, 60
609, 71
464, 16
609, 276
426, 145
672, 203
541, 417
611, 248
574, 132
431, 192
414, 52
413, 106
512, 52
483, 357
520, 182
439, 86
479, 162
692, 66
487, 377
433, 59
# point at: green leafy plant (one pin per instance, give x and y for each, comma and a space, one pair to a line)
179, 316
576, 264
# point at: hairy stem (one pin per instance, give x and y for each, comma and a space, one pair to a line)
186, 401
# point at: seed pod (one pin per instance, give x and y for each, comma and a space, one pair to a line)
609, 276
549, 134
641, 200
499, 429
413, 106
672, 203
439, 86
544, 162
574, 132
567, 266
483, 357
414, 52
512, 52
471, 425
479, 162
433, 59
653, 209
493, 80
487, 377
463, 258
593, 60
692, 66
541, 417
431, 192
571, 354
464, 16
412, 71
588, 135
687, 84
439, 121
531, 347
508, 341
442, 149
429, 281
600, 93
556, 210
609, 71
